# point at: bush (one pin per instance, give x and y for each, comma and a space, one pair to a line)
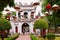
7, 39
41, 24
4, 24
33, 37
50, 36
12, 37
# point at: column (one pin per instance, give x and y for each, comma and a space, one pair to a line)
12, 31
31, 27
20, 27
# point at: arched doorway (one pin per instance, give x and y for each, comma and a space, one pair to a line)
25, 27
16, 29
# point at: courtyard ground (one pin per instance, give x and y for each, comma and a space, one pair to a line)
24, 37
27, 37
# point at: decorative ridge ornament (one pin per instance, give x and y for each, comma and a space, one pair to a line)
17, 6
55, 5
7, 10
46, 13
33, 11
36, 3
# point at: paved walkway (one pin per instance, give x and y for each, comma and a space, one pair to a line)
24, 37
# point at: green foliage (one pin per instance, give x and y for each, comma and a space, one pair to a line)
58, 13
36, 24
52, 2
50, 36
6, 15
12, 37
50, 18
33, 37
45, 3
4, 3
7, 39
41, 24
4, 24
55, 14
0, 14
58, 3
57, 21
11, 3
14, 13
44, 9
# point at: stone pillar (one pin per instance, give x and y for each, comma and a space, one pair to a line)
31, 27
20, 27
12, 31
29, 14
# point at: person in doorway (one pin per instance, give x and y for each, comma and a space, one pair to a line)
23, 31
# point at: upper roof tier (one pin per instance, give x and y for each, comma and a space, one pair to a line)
26, 5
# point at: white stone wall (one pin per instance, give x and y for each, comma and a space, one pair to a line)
19, 25
13, 27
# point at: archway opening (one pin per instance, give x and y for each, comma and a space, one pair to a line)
16, 29
25, 27
25, 15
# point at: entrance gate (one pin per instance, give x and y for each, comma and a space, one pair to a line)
25, 28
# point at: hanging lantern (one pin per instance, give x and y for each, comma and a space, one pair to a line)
48, 6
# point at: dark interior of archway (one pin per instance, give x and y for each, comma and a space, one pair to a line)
24, 26
16, 29
19, 14
25, 13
